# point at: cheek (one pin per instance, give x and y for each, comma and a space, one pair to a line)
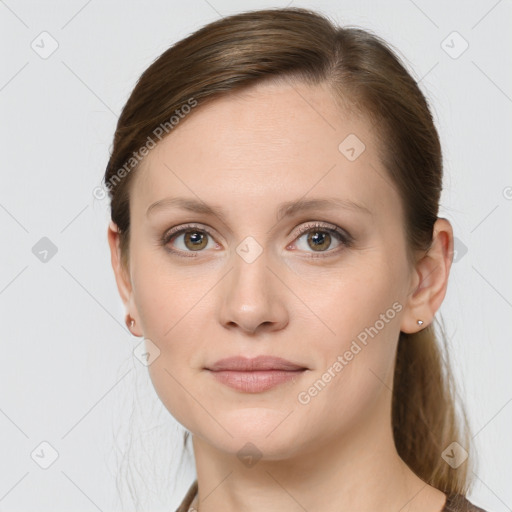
173, 317
355, 356
347, 300
355, 377
175, 373
171, 382
164, 294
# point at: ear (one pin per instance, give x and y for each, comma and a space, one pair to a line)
123, 280
430, 279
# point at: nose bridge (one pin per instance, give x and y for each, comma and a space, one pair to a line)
250, 272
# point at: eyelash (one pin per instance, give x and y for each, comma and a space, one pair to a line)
341, 235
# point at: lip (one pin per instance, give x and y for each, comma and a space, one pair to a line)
244, 364
255, 375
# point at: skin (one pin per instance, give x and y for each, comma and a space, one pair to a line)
247, 154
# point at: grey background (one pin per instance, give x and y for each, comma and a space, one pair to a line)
67, 373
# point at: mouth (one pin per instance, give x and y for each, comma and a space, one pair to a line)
255, 375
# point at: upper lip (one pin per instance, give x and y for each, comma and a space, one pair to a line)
244, 364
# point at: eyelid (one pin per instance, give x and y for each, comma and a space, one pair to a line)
184, 227
322, 225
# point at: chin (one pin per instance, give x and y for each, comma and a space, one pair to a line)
273, 438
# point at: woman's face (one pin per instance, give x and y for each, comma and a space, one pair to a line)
253, 281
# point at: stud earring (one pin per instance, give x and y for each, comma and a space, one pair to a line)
420, 322
129, 322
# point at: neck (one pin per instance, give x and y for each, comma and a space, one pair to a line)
359, 471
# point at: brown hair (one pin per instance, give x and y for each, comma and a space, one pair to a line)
362, 71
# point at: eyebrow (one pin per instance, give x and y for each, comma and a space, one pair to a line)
286, 209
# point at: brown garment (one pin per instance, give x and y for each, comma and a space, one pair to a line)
454, 502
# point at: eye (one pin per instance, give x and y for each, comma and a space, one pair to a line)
190, 239
320, 238
194, 239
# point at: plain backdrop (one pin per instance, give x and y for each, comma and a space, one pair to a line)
69, 383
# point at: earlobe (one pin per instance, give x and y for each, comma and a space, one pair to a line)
430, 281
130, 323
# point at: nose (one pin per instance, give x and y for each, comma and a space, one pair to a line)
252, 298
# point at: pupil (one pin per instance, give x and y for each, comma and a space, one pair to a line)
316, 237
195, 238
319, 238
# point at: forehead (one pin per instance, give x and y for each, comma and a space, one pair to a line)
266, 145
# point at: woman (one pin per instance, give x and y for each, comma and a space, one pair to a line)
274, 185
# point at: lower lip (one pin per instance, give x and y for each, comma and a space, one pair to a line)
256, 381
